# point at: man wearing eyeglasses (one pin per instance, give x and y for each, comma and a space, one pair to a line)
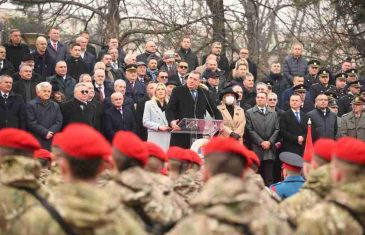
324, 122
78, 109
179, 76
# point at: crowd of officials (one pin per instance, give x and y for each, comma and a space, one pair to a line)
76, 102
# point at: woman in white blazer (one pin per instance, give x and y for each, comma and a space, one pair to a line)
154, 118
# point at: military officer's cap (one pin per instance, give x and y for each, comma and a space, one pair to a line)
332, 103
351, 72
291, 161
331, 94
324, 148
351, 150
194, 157
314, 63
43, 154
171, 82
178, 153
324, 73
341, 76
18, 139
354, 84
300, 87
131, 146
221, 144
131, 67
83, 142
358, 100
155, 151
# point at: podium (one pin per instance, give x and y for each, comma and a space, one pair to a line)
198, 127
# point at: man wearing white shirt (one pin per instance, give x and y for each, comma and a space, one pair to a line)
103, 88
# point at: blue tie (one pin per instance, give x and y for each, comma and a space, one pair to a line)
297, 116
193, 93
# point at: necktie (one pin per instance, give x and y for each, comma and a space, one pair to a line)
5, 97
101, 95
1, 65
262, 111
297, 116
54, 46
193, 94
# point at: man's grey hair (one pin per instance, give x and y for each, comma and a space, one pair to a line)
78, 85
118, 82
129, 56
22, 65
82, 76
43, 85
2, 77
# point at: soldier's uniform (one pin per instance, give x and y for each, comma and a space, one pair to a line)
344, 104
309, 80
291, 184
354, 126
319, 88
343, 211
340, 92
189, 184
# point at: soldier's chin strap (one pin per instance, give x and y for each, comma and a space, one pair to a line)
52, 211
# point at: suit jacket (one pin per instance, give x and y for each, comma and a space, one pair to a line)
262, 127
115, 121
108, 89
175, 77
234, 124
137, 92
44, 64
58, 55
12, 112
7, 68
290, 129
127, 103
65, 86
19, 87
76, 67
90, 60
182, 105
14, 53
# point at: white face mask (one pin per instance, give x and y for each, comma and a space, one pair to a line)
229, 100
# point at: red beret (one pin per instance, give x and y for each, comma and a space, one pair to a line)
43, 154
156, 151
178, 153
195, 158
226, 145
254, 159
131, 146
323, 148
82, 142
351, 150
18, 139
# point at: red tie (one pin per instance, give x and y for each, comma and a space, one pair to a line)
55, 46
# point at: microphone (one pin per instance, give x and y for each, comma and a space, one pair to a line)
210, 107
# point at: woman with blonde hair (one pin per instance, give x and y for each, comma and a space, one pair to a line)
154, 118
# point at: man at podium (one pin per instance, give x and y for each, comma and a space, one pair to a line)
189, 101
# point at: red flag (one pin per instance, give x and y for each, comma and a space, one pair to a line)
308, 150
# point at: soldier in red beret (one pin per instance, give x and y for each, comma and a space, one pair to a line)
226, 204
179, 161
156, 158
80, 161
19, 173
137, 189
342, 211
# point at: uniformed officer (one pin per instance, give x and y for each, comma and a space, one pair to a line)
78, 207
226, 204
19, 174
291, 170
353, 123
322, 86
343, 210
340, 85
332, 105
307, 104
344, 104
317, 185
311, 77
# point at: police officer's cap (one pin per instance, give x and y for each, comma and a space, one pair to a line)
314, 63
291, 159
341, 76
324, 73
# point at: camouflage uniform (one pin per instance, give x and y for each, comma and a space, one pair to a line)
85, 208
51, 177
330, 218
17, 172
314, 190
189, 184
227, 206
136, 189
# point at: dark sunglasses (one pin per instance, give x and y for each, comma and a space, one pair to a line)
84, 92
183, 67
164, 76
272, 99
